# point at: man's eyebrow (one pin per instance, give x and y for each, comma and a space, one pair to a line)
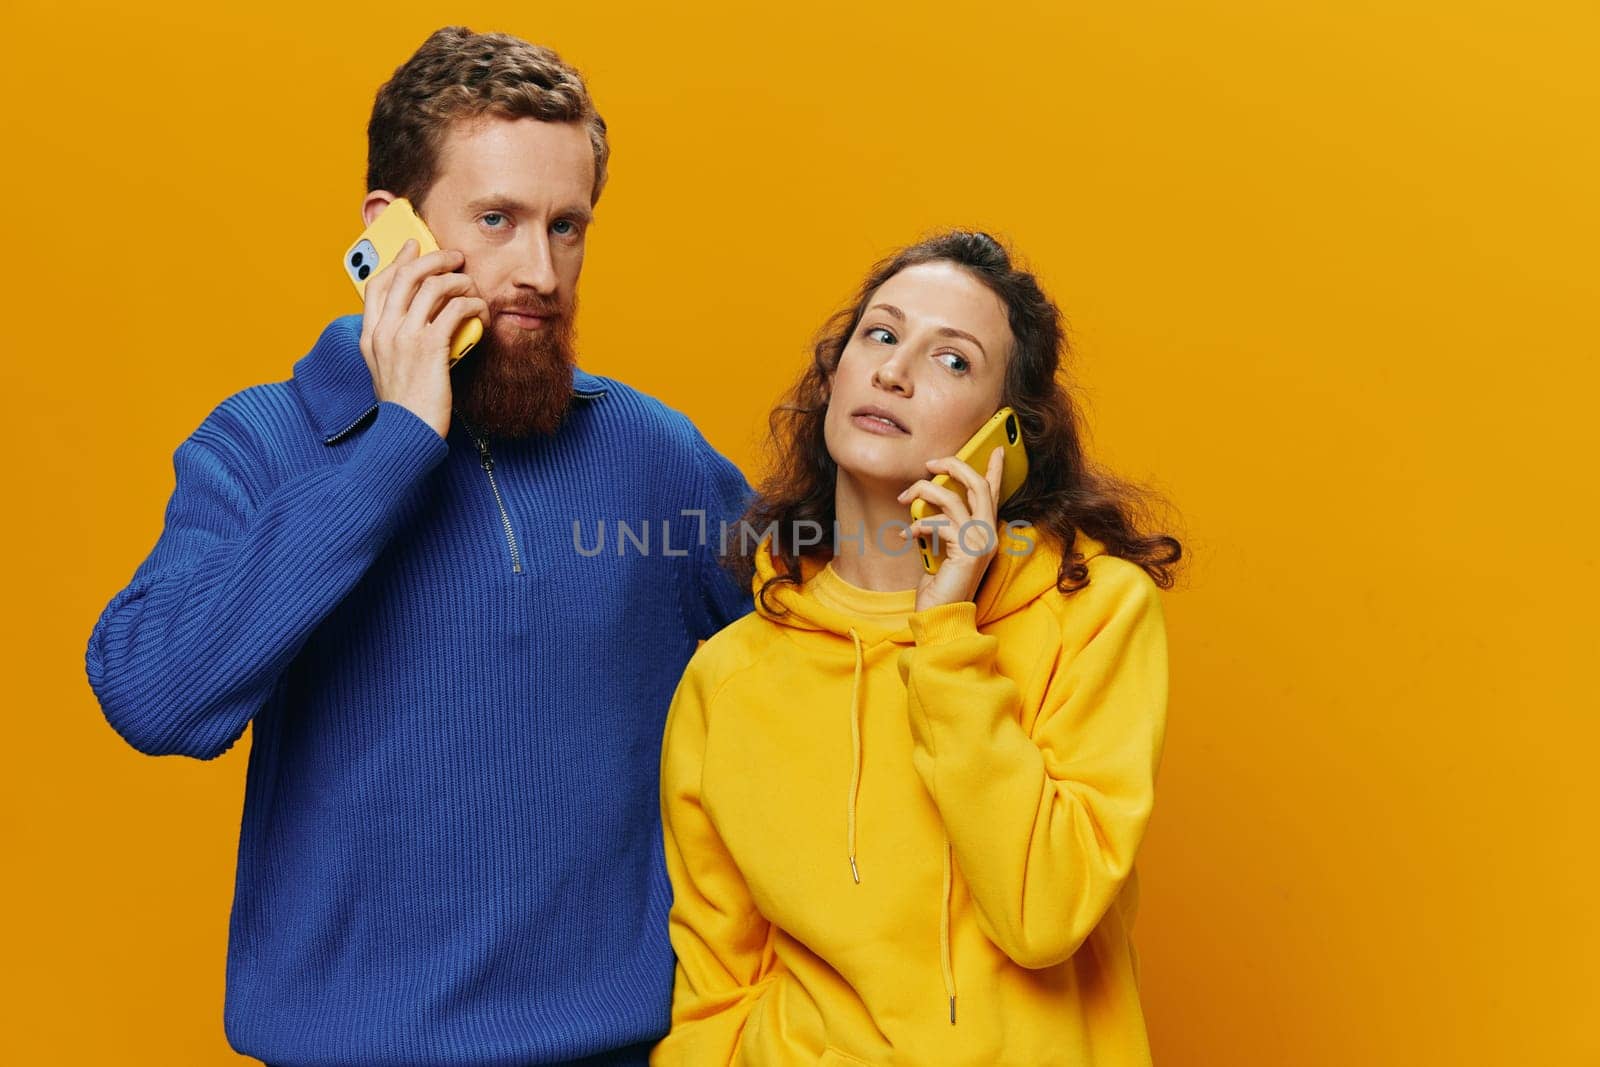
944, 331
511, 203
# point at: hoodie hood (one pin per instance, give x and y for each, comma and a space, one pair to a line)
1013, 580
1011, 583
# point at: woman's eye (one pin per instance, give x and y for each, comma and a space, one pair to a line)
886, 333
957, 363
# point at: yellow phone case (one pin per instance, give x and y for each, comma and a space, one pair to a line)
1003, 430
381, 242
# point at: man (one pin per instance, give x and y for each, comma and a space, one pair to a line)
451, 849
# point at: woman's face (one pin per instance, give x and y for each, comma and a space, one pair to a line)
924, 369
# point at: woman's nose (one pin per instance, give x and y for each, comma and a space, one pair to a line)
891, 375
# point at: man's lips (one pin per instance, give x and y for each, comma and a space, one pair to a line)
528, 315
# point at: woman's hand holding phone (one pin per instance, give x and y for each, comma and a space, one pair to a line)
964, 563
412, 309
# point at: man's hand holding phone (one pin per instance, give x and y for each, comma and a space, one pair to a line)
413, 308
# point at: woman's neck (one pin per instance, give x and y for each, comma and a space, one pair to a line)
870, 553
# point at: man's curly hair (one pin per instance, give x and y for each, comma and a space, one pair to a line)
458, 74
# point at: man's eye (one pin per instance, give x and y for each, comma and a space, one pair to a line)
492, 219
570, 227
886, 333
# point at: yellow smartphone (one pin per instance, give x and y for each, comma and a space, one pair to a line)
381, 242
1001, 431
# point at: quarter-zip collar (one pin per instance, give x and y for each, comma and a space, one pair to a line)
336, 386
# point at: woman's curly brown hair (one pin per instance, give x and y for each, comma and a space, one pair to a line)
1064, 491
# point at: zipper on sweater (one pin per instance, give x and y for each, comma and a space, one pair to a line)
487, 461
336, 438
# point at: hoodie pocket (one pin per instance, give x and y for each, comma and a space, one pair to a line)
834, 1056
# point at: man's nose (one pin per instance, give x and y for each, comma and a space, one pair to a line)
536, 268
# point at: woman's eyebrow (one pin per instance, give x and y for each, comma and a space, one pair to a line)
943, 331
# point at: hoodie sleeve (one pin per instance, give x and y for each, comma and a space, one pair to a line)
183, 657
1045, 807
722, 941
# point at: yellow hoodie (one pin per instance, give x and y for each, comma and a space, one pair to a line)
909, 837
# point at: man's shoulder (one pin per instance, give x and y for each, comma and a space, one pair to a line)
256, 425
255, 414
644, 410
650, 422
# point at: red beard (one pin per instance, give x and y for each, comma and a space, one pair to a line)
519, 384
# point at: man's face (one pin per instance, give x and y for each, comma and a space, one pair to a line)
512, 195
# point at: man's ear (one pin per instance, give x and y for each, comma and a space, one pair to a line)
374, 204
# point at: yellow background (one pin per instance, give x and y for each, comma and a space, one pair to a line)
1331, 273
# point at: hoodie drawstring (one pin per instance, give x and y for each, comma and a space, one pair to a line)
855, 754
945, 965
944, 937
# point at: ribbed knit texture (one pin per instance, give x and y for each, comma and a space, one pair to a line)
450, 851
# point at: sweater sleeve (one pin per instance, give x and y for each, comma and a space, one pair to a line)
1044, 821
722, 941
185, 655
722, 494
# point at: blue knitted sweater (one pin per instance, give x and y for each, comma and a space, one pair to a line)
450, 852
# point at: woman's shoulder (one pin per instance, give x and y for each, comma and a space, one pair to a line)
741, 644
1037, 575
1113, 587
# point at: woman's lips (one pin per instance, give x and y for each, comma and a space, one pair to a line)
877, 424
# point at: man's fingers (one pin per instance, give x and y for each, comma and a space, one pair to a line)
402, 301
409, 276
376, 298
377, 290
458, 310
435, 291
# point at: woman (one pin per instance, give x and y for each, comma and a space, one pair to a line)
901, 810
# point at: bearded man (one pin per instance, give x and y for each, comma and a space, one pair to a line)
451, 848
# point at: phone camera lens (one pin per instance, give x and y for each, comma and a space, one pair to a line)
355, 260
1011, 429
363, 272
